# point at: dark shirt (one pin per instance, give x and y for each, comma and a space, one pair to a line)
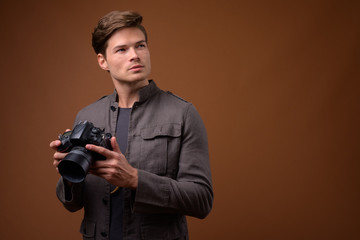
116, 222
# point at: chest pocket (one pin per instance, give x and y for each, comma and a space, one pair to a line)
159, 148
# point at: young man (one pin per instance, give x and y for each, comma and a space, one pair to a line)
158, 171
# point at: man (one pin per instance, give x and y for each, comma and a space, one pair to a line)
158, 169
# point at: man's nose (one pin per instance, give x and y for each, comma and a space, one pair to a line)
134, 56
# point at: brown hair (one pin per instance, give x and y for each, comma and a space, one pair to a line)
112, 22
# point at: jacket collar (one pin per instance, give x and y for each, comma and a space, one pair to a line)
148, 91
144, 94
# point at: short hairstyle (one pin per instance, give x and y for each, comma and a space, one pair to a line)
112, 22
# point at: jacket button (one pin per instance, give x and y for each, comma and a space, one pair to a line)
113, 108
104, 234
105, 201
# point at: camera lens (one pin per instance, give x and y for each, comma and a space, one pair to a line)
76, 164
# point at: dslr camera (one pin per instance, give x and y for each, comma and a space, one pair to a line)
76, 163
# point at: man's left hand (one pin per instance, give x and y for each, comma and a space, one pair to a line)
115, 168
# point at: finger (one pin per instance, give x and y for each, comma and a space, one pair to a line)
101, 150
56, 163
115, 145
59, 156
55, 144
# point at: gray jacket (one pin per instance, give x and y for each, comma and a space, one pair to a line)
167, 143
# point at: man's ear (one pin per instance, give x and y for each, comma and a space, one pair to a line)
102, 62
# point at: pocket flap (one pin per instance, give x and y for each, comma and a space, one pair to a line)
169, 129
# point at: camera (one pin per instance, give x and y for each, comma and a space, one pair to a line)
76, 163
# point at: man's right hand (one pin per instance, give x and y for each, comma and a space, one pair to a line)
58, 156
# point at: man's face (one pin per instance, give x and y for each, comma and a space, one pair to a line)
127, 56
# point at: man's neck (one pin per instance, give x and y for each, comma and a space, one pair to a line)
128, 92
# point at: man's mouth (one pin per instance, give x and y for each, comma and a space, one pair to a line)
136, 67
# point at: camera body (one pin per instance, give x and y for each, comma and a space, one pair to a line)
77, 162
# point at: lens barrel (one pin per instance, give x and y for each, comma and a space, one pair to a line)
76, 164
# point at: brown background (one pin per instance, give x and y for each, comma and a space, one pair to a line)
276, 82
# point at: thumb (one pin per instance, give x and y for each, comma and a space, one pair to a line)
115, 145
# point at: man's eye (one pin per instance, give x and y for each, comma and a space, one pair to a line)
141, 46
121, 50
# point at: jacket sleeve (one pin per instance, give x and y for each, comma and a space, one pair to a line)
70, 197
191, 192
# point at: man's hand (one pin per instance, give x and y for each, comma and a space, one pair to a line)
58, 156
115, 168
